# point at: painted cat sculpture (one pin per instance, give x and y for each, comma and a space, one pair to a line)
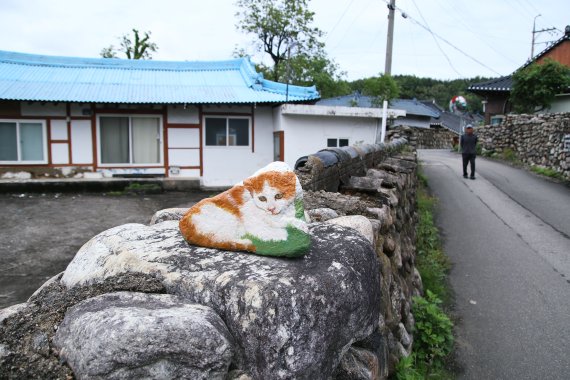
263, 214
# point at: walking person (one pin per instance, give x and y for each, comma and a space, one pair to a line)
468, 144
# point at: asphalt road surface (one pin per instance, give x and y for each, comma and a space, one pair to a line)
41, 233
508, 236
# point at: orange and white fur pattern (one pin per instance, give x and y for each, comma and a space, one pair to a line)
262, 206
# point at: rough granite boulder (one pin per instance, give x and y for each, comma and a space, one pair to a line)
289, 318
128, 335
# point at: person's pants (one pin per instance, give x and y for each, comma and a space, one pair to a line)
468, 158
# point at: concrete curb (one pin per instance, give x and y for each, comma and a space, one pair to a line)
94, 185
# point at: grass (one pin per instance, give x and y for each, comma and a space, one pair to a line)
548, 172
138, 189
433, 332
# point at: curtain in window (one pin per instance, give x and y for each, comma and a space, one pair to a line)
31, 140
8, 142
146, 143
114, 140
239, 132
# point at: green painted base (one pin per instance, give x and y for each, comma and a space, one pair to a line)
297, 244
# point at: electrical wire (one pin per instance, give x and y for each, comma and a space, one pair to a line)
436, 41
408, 17
477, 33
339, 20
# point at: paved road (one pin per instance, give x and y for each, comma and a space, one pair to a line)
508, 236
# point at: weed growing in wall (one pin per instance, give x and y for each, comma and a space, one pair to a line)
433, 333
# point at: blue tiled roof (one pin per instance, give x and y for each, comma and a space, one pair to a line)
110, 80
411, 106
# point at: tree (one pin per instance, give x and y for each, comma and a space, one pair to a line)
381, 88
535, 86
142, 48
279, 26
282, 29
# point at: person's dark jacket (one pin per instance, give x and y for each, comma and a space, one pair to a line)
468, 144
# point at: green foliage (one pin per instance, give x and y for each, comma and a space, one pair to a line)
411, 86
433, 334
282, 29
431, 261
535, 86
141, 48
406, 369
381, 88
433, 337
548, 172
509, 155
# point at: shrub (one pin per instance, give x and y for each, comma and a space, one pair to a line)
433, 338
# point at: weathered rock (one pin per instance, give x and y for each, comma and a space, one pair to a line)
343, 204
364, 184
322, 214
264, 214
357, 364
10, 311
290, 318
168, 214
130, 335
358, 222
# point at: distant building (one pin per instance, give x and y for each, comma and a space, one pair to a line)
418, 113
496, 92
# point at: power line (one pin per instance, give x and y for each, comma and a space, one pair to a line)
436, 41
476, 33
339, 20
407, 16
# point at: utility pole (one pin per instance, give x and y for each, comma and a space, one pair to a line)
535, 32
388, 64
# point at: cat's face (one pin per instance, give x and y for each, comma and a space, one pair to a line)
271, 199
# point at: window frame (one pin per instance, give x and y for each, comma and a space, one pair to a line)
131, 164
337, 139
19, 161
228, 117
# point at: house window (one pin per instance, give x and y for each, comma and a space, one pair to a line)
227, 131
23, 141
131, 140
333, 143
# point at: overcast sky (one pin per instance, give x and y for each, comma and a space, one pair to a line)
497, 33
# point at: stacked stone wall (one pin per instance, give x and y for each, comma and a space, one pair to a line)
425, 138
383, 190
537, 140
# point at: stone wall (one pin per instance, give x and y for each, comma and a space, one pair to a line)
139, 301
535, 139
381, 187
424, 138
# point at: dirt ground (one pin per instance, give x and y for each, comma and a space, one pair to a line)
41, 233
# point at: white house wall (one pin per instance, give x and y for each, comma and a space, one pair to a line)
226, 166
178, 114
81, 142
306, 134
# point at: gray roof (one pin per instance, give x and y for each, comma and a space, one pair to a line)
411, 106
454, 122
502, 84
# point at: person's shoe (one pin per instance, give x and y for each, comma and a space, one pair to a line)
472, 177
464, 175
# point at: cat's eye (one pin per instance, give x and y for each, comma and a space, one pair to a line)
278, 196
263, 199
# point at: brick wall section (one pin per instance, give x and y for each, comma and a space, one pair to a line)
535, 139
